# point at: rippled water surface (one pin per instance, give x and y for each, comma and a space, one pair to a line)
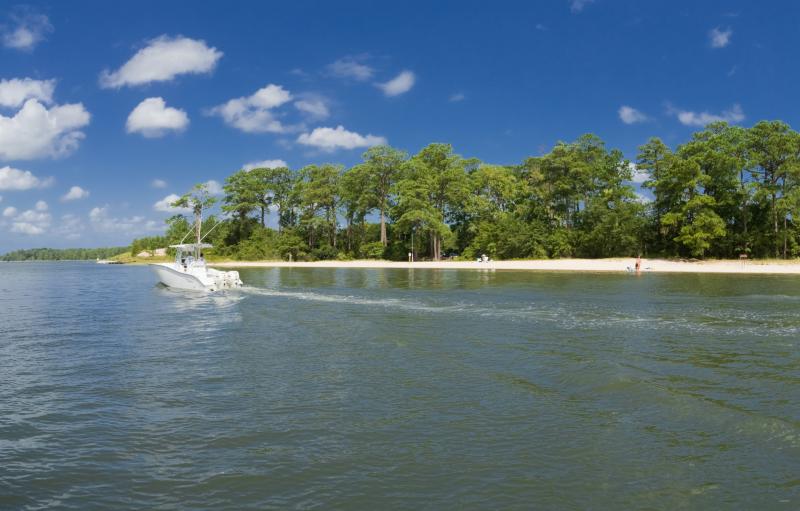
398, 389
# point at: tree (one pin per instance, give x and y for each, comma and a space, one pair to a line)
356, 198
241, 194
773, 150
318, 192
382, 165
197, 199
435, 185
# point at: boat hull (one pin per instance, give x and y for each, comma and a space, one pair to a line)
179, 280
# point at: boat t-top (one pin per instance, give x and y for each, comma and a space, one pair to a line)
189, 270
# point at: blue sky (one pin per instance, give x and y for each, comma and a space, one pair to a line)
131, 102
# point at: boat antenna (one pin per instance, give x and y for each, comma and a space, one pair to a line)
209, 231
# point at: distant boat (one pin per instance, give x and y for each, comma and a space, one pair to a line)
189, 271
107, 261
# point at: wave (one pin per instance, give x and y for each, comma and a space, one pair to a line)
566, 316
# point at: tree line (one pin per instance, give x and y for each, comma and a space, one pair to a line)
63, 254
728, 191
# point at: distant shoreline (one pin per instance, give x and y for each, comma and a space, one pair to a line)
769, 267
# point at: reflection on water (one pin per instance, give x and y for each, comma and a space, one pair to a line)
352, 389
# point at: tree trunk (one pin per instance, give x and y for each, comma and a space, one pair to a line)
383, 227
263, 222
744, 210
784, 236
775, 224
349, 234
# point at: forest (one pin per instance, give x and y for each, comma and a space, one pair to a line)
62, 254
727, 191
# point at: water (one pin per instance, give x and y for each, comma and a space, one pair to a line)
396, 389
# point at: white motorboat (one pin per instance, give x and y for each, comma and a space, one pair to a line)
189, 270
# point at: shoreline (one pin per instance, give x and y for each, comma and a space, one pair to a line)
611, 265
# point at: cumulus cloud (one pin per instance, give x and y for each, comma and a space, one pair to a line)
576, 6
331, 139
16, 179
14, 92
32, 221
638, 175
314, 108
102, 221
630, 115
400, 84
158, 183
70, 227
213, 187
162, 60
36, 131
457, 97
152, 118
27, 29
253, 114
165, 205
689, 118
719, 38
264, 164
75, 193
352, 68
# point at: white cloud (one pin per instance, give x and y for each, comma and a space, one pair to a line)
638, 175
719, 38
252, 114
457, 97
27, 228
264, 164
70, 227
153, 118
31, 221
162, 60
315, 108
158, 183
330, 139
75, 193
102, 221
14, 92
165, 205
9, 211
577, 6
16, 179
400, 84
28, 29
642, 198
213, 187
351, 67
689, 118
630, 115
37, 132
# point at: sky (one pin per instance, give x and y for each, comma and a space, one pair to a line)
108, 110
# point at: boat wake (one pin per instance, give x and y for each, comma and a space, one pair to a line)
567, 316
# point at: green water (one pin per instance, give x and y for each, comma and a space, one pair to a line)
398, 389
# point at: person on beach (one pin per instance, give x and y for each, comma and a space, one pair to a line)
638, 263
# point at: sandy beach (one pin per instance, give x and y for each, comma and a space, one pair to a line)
584, 265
